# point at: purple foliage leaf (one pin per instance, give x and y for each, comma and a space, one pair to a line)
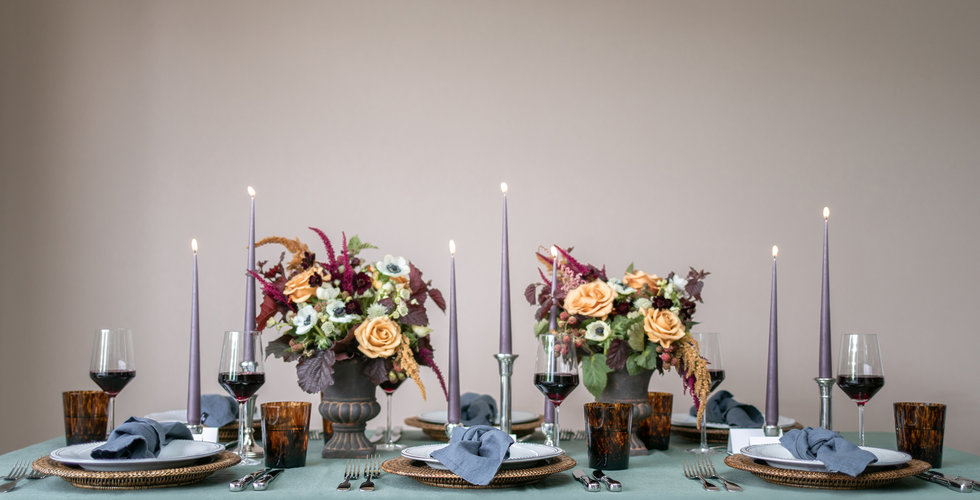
280, 348
315, 373
416, 316
437, 297
374, 369
530, 292
619, 351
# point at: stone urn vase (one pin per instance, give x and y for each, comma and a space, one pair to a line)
348, 404
621, 387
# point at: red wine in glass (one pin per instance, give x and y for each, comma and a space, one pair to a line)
860, 388
241, 385
556, 386
389, 387
112, 381
717, 376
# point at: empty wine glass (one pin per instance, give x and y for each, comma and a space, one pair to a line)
112, 365
710, 349
242, 377
556, 369
859, 372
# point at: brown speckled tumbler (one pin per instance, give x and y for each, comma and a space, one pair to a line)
654, 430
919, 430
86, 416
607, 428
285, 427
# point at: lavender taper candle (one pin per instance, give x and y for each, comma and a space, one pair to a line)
825, 369
549, 407
249, 279
772, 371
505, 340
194, 363
453, 413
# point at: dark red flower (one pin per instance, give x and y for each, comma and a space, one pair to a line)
361, 282
662, 303
316, 280
622, 308
353, 307
309, 258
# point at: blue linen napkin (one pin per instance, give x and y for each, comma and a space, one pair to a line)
218, 410
140, 438
723, 409
477, 409
475, 453
829, 447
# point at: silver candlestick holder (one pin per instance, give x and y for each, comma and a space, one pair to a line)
550, 431
770, 430
250, 447
826, 386
450, 427
505, 364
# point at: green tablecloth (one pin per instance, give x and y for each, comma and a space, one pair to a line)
656, 475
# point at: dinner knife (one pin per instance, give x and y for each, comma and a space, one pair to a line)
589, 483
954, 484
611, 483
263, 482
240, 483
970, 482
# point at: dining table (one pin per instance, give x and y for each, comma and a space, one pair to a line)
657, 475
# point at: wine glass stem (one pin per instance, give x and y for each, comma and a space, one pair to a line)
704, 433
112, 416
241, 427
861, 423
557, 429
388, 419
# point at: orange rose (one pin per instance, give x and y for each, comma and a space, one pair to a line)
591, 299
298, 288
637, 280
378, 337
662, 325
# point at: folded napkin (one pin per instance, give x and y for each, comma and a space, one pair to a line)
140, 438
723, 409
829, 447
477, 409
475, 453
218, 410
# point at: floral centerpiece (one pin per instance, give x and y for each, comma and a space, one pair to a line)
344, 308
637, 322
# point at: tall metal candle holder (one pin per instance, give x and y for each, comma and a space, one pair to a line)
450, 427
826, 385
505, 365
550, 431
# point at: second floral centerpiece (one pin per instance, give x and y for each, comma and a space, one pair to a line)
350, 325
624, 328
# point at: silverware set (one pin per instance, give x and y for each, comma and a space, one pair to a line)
702, 470
371, 469
259, 480
21, 470
594, 484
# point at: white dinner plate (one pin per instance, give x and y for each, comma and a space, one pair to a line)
177, 453
169, 416
519, 453
687, 420
781, 458
517, 417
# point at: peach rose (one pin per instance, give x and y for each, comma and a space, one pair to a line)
591, 299
378, 337
298, 288
662, 325
638, 279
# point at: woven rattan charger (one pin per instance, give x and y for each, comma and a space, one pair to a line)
135, 480
505, 478
438, 431
826, 480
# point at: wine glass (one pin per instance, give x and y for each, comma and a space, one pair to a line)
556, 369
710, 349
859, 372
389, 388
112, 365
241, 377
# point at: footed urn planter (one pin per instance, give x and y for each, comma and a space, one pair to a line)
621, 387
348, 404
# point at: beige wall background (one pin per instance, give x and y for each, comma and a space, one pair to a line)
664, 133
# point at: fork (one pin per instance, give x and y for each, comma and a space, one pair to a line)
691, 473
372, 469
350, 472
16, 474
707, 469
15, 471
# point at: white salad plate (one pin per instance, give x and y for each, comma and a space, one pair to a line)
169, 416
686, 420
439, 417
781, 458
519, 454
177, 453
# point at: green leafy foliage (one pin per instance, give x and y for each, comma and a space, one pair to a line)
541, 328
355, 245
594, 370
637, 337
645, 360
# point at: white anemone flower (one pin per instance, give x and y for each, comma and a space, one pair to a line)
620, 287
338, 312
679, 283
597, 331
393, 266
305, 319
327, 293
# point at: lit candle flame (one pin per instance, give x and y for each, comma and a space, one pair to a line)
452, 247
251, 191
503, 187
554, 251
775, 251
826, 212
194, 244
